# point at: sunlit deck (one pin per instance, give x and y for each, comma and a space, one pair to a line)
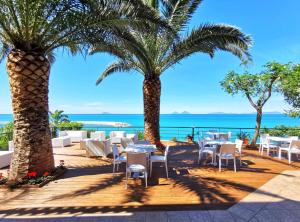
89, 185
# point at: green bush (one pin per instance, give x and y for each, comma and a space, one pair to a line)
282, 130
6, 134
69, 126
174, 139
141, 135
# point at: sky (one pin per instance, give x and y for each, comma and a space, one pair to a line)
193, 85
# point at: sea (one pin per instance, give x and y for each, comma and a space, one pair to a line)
178, 125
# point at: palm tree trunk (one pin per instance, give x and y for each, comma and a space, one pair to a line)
257, 127
29, 78
152, 91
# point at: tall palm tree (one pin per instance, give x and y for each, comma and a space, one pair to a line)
153, 52
58, 116
30, 32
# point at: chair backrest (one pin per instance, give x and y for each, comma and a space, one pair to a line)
115, 151
229, 135
167, 151
137, 158
201, 144
295, 144
223, 136
264, 139
293, 137
228, 149
239, 145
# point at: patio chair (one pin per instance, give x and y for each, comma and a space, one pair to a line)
203, 148
224, 136
227, 152
117, 157
239, 145
267, 145
160, 159
125, 142
262, 139
294, 148
137, 163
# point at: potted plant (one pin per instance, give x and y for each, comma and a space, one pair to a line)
190, 139
243, 136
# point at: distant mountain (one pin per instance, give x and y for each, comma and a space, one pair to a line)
105, 113
275, 112
184, 112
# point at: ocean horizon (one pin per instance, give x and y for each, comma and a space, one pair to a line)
182, 120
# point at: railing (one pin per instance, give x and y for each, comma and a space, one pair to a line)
178, 133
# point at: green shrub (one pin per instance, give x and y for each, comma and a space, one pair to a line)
141, 135
6, 134
69, 126
174, 139
282, 130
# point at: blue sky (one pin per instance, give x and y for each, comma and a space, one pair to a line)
192, 85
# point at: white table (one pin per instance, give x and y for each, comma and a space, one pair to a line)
280, 139
140, 148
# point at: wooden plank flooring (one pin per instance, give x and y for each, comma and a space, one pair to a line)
90, 186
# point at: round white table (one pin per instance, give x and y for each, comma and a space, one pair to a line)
140, 148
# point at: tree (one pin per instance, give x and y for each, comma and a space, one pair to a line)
257, 88
152, 53
58, 116
290, 88
30, 32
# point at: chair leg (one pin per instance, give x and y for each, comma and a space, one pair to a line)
114, 167
241, 160
234, 164
279, 154
126, 185
150, 168
167, 173
199, 157
117, 167
220, 163
146, 179
226, 162
290, 157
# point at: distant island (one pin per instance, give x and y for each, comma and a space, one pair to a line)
184, 112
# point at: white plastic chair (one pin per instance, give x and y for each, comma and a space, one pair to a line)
160, 159
137, 163
266, 145
294, 148
262, 139
117, 157
206, 149
239, 145
227, 152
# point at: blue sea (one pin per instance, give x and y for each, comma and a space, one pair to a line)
173, 124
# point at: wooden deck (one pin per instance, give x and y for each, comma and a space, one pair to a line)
90, 186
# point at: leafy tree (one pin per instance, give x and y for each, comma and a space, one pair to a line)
30, 32
58, 116
290, 88
151, 53
257, 88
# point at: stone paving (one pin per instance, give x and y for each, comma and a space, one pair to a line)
276, 201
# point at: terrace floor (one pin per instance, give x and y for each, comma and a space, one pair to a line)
89, 186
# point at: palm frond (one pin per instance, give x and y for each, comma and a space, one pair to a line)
208, 39
118, 66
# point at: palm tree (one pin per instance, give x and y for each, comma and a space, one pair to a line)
30, 32
58, 116
153, 52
